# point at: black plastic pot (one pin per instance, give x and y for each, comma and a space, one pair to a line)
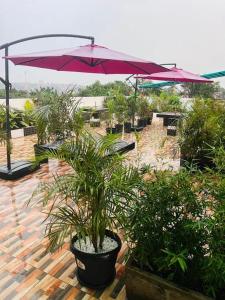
127, 127
149, 120
141, 122
96, 270
39, 151
119, 128
136, 129
110, 130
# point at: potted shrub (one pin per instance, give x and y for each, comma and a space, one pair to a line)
144, 112
132, 107
202, 128
176, 233
57, 117
110, 114
120, 104
87, 206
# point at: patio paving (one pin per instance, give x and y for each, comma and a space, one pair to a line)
26, 270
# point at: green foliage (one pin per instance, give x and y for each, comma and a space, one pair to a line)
167, 101
120, 104
143, 107
17, 118
55, 115
177, 228
202, 128
132, 107
204, 90
14, 93
110, 105
90, 198
98, 89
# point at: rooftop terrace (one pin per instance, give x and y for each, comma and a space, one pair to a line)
26, 270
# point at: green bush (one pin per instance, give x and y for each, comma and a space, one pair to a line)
202, 128
17, 118
167, 101
56, 115
177, 228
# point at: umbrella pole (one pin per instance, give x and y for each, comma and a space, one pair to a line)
8, 129
135, 97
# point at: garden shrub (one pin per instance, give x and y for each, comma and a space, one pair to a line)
202, 128
177, 228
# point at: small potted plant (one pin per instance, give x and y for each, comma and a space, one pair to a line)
88, 205
144, 112
55, 118
120, 103
110, 114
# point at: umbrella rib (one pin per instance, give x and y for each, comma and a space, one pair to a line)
103, 68
133, 65
67, 62
28, 61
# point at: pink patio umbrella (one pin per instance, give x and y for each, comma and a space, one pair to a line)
178, 75
89, 59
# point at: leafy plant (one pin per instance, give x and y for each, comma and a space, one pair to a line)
176, 229
55, 115
144, 107
132, 107
110, 105
90, 198
167, 101
202, 128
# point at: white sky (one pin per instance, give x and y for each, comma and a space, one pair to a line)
188, 32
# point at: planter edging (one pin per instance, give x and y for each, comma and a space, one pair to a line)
147, 286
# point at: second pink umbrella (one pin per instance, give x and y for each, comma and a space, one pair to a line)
178, 75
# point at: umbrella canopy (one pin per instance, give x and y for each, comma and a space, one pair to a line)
89, 59
177, 75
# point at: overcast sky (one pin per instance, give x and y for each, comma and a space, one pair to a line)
188, 32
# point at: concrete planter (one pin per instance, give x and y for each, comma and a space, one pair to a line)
142, 285
17, 133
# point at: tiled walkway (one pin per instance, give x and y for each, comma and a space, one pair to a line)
26, 270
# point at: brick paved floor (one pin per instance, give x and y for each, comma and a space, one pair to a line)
26, 270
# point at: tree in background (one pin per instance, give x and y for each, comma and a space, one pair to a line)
99, 89
204, 90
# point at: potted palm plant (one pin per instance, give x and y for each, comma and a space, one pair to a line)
55, 116
88, 206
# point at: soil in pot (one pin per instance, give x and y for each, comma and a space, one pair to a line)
96, 270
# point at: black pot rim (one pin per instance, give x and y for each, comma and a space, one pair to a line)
108, 233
